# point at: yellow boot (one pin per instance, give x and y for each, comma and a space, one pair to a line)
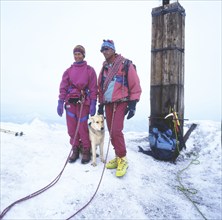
112, 164
122, 166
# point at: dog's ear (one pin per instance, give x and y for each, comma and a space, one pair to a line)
91, 120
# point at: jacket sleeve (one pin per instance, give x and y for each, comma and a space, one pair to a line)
93, 88
134, 84
64, 85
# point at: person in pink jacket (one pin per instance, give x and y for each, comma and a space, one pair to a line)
78, 95
119, 91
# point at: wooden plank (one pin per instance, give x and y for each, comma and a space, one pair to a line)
167, 68
167, 60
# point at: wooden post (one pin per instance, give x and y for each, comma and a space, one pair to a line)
167, 61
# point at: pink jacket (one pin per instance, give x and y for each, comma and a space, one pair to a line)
121, 88
78, 79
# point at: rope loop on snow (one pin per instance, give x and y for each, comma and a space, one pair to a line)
51, 183
187, 191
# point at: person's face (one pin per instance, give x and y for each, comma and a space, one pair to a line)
78, 57
108, 52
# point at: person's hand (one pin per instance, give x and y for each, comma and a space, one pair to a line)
131, 109
60, 107
101, 110
92, 110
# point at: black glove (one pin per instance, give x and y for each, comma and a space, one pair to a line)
131, 109
100, 110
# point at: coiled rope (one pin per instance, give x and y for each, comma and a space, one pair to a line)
187, 191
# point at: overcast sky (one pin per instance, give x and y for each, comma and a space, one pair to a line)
37, 39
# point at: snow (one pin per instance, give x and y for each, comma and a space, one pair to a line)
149, 190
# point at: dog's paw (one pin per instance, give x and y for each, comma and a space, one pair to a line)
94, 164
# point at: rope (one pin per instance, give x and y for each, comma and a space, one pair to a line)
187, 191
51, 183
114, 109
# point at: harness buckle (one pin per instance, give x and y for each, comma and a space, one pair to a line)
74, 100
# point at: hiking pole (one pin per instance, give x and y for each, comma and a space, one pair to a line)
12, 132
177, 126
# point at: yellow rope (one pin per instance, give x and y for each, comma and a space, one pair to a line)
181, 187
187, 191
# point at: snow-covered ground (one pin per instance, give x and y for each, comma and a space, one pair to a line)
149, 190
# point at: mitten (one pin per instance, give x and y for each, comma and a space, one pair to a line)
101, 110
131, 109
60, 107
92, 109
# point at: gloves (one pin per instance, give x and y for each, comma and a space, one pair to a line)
101, 110
60, 107
131, 109
92, 109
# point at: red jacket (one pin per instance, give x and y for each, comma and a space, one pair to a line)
77, 79
121, 87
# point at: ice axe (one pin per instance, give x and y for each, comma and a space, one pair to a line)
175, 118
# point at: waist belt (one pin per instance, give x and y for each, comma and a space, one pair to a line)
74, 100
72, 115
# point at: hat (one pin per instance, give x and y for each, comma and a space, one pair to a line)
79, 49
108, 44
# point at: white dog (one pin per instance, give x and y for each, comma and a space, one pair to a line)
97, 135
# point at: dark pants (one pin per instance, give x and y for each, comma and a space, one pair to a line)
117, 137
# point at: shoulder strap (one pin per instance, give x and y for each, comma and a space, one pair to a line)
126, 65
102, 74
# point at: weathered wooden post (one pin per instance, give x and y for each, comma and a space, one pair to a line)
167, 61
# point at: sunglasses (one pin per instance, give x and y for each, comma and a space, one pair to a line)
104, 48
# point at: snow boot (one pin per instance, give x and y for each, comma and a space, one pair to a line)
122, 166
85, 155
75, 154
112, 164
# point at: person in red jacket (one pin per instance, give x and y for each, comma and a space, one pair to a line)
119, 91
78, 95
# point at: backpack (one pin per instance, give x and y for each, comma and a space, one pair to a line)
163, 144
126, 66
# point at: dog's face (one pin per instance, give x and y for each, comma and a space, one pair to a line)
97, 122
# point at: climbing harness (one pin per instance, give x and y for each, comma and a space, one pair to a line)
51, 183
187, 191
107, 152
